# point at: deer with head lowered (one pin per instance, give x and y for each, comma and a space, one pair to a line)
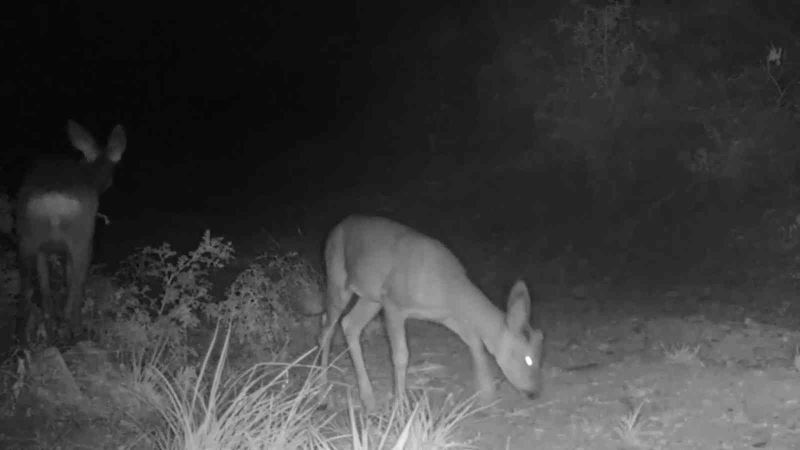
394, 268
56, 209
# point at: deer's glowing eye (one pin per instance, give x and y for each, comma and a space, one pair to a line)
528, 360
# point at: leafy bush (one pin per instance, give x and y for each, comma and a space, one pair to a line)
603, 38
259, 303
161, 293
622, 78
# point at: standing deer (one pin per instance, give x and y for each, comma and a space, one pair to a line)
394, 268
56, 209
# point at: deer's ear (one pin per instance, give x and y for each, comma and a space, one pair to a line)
518, 309
116, 144
82, 140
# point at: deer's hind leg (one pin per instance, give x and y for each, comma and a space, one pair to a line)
353, 324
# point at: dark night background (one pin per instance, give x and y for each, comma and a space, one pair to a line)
277, 115
236, 94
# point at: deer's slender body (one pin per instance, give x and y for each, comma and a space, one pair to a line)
55, 210
394, 268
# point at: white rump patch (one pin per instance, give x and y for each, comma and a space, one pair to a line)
54, 206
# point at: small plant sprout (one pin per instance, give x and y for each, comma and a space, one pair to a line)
774, 56
682, 354
629, 427
23, 362
773, 66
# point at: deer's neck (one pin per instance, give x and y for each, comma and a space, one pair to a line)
484, 318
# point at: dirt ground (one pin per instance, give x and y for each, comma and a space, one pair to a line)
679, 382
